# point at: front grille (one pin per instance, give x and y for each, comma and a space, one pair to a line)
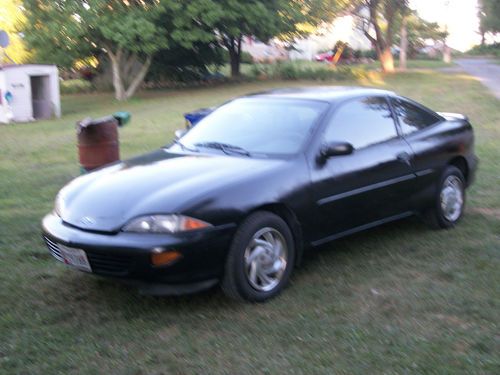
101, 263
107, 264
54, 249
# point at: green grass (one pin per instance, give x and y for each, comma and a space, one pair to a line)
399, 299
412, 64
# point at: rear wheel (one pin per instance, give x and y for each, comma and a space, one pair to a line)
450, 200
260, 258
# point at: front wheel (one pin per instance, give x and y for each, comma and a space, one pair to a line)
260, 258
450, 200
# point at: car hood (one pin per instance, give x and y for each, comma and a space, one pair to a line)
159, 182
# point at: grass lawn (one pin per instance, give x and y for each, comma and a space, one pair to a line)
399, 299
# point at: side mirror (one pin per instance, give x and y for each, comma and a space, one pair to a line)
334, 149
179, 133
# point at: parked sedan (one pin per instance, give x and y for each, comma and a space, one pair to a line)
238, 198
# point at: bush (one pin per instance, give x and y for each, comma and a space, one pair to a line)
294, 71
487, 49
261, 71
369, 54
75, 86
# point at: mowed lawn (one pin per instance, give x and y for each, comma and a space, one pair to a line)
399, 299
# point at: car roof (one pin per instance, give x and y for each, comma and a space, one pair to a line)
323, 93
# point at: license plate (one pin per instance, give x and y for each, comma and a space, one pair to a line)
75, 257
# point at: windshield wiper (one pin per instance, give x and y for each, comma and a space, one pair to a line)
184, 147
224, 147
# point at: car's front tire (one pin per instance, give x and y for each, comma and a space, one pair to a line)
449, 202
260, 259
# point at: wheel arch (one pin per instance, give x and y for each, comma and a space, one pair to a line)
287, 214
461, 163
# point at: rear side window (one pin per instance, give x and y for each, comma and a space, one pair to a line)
362, 122
412, 118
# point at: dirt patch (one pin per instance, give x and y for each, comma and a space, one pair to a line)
492, 212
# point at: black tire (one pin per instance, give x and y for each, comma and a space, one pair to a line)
236, 283
435, 216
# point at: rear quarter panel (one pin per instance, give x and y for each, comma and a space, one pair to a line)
434, 149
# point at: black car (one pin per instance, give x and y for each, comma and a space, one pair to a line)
239, 197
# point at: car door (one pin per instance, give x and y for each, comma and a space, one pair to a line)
370, 185
428, 144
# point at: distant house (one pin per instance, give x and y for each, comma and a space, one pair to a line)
29, 92
343, 28
264, 52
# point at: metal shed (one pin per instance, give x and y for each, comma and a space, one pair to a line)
29, 92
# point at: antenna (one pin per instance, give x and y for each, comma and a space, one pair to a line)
4, 39
4, 42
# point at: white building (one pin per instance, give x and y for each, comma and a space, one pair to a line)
29, 92
342, 29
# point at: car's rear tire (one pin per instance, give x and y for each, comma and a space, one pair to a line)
449, 203
260, 258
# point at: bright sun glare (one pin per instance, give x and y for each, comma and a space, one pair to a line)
460, 17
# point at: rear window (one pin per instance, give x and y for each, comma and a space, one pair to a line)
411, 117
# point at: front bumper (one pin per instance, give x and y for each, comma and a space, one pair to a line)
127, 255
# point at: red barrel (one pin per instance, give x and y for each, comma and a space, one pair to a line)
97, 142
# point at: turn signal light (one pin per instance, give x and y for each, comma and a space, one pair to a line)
161, 259
192, 224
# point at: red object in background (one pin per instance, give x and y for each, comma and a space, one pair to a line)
87, 73
325, 57
98, 142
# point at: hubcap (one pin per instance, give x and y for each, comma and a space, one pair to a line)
265, 259
452, 198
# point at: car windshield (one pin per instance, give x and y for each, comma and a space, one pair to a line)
247, 126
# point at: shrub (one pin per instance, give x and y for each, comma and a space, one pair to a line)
261, 70
75, 86
288, 71
487, 49
293, 71
369, 54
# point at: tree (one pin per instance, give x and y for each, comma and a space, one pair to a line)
403, 45
11, 19
230, 20
418, 31
378, 21
489, 16
128, 31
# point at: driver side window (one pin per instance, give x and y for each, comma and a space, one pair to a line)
362, 122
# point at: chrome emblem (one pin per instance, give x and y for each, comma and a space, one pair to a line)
87, 220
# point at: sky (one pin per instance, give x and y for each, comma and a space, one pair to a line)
459, 15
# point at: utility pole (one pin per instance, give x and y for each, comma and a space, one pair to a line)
403, 47
446, 48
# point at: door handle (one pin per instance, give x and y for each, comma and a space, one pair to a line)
404, 157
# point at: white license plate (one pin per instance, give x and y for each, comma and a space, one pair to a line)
75, 257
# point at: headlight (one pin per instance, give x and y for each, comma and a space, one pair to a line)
164, 224
58, 205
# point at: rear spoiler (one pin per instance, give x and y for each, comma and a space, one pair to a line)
453, 116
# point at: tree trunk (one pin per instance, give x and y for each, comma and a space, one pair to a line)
234, 48
386, 59
446, 54
235, 64
139, 78
118, 64
483, 37
117, 79
403, 48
